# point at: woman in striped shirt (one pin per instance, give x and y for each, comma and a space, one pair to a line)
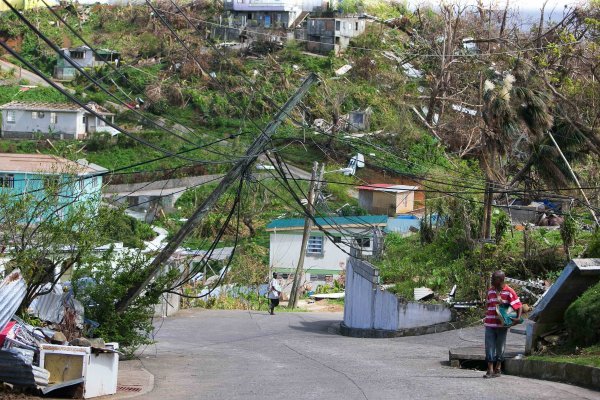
495, 329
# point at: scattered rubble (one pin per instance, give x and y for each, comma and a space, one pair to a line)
44, 359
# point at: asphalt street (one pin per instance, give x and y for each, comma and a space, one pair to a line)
203, 354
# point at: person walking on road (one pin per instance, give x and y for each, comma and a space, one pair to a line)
274, 293
499, 294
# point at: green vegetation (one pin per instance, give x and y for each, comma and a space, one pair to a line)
445, 256
585, 356
582, 318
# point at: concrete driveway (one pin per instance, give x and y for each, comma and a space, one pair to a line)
251, 355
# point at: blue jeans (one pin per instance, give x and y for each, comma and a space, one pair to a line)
495, 342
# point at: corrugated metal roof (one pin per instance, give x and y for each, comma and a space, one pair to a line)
13, 369
219, 254
45, 106
45, 163
12, 293
379, 220
49, 307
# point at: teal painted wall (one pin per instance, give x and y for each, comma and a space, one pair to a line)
72, 190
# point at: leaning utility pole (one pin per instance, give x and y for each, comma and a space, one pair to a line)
315, 184
256, 149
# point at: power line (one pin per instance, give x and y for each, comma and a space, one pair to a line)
467, 55
110, 65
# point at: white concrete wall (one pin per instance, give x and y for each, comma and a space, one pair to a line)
68, 123
367, 306
412, 315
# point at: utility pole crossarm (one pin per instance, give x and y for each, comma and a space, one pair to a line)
256, 149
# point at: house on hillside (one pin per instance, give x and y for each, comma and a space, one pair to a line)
389, 199
74, 182
273, 13
27, 120
326, 253
325, 35
84, 57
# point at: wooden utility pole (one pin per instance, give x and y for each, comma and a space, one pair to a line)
315, 184
574, 176
256, 149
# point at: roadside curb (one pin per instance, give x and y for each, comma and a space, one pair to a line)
386, 334
134, 380
580, 375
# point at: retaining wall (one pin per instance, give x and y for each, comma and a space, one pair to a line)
371, 311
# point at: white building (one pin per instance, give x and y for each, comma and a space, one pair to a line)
274, 13
326, 253
28, 120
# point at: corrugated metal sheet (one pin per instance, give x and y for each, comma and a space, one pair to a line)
12, 293
329, 221
48, 307
16, 371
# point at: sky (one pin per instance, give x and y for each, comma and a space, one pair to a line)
527, 10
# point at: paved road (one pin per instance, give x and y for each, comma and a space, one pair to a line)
23, 73
251, 355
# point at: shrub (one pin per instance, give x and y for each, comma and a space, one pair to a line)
582, 318
101, 283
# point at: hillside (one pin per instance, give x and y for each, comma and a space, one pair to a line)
448, 109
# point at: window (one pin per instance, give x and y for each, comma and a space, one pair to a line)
53, 118
363, 242
10, 116
337, 239
356, 27
77, 54
315, 245
81, 183
94, 181
34, 115
7, 181
84, 119
337, 25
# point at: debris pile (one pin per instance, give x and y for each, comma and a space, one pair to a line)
55, 357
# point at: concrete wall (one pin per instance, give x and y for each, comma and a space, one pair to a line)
413, 314
368, 307
71, 191
169, 304
68, 124
332, 34
284, 252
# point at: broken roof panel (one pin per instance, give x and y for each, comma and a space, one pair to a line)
578, 276
12, 293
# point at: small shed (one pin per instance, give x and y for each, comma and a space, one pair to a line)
389, 199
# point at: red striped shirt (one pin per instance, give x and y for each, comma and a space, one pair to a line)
508, 296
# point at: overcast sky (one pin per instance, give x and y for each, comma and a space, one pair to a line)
528, 10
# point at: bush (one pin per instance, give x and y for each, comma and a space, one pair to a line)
582, 318
103, 282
